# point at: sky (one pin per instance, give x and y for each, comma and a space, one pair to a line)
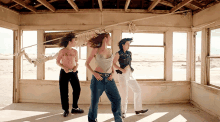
6, 41
179, 42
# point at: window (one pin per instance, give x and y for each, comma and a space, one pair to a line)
198, 57
52, 70
28, 71
6, 64
179, 56
214, 57
147, 55
82, 55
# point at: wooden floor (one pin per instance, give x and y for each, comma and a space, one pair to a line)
33, 112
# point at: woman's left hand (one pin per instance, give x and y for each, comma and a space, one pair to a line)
110, 77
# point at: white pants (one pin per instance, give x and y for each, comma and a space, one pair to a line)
125, 80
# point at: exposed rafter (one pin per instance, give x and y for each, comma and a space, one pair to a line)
51, 1
38, 5
190, 6
46, 4
153, 5
127, 4
13, 5
20, 2
100, 4
73, 4
198, 5
166, 3
180, 5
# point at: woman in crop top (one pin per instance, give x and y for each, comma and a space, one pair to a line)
102, 79
67, 59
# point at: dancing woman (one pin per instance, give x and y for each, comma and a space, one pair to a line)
125, 77
67, 59
102, 79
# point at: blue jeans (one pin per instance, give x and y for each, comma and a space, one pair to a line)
110, 88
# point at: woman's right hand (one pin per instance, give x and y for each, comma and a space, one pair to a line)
123, 70
97, 76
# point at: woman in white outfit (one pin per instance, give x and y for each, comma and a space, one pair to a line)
124, 57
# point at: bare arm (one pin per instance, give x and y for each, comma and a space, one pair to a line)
89, 59
115, 61
76, 60
97, 75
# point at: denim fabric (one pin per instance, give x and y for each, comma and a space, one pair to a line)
110, 88
125, 59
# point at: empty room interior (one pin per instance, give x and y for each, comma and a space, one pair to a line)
174, 55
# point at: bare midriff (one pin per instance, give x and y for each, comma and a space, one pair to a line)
99, 69
68, 58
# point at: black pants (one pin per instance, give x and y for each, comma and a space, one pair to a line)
63, 82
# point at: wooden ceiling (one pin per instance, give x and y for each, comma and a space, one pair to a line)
147, 6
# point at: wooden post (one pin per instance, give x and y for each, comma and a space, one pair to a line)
116, 37
40, 53
16, 64
193, 54
168, 55
204, 53
188, 56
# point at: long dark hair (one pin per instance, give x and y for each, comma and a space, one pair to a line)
96, 42
65, 40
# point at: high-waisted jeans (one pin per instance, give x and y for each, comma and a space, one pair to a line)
110, 88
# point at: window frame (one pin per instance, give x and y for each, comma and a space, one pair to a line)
194, 55
208, 57
164, 46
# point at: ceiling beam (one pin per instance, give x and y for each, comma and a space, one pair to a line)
180, 5
13, 5
166, 3
100, 4
47, 4
152, 6
38, 5
73, 4
127, 4
191, 6
198, 5
51, 1
20, 2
